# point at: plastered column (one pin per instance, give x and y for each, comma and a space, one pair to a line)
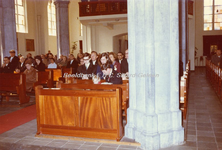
154, 118
62, 27
8, 26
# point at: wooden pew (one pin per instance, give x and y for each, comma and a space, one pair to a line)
44, 78
57, 73
87, 84
79, 113
183, 97
14, 83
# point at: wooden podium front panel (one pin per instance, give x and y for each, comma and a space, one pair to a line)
98, 112
79, 113
59, 110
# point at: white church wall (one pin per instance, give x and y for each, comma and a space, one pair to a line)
104, 37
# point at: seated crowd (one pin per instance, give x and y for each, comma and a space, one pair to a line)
106, 66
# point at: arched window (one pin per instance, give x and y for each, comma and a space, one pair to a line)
20, 16
51, 18
212, 15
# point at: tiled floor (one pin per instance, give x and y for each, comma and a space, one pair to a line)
204, 126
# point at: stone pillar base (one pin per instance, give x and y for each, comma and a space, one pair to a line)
155, 131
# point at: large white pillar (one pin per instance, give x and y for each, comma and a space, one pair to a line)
8, 26
62, 27
154, 118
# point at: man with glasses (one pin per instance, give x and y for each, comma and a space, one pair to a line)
85, 71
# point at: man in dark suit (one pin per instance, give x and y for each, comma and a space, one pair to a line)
6, 67
111, 75
94, 61
14, 60
21, 66
85, 71
72, 63
215, 59
120, 57
124, 63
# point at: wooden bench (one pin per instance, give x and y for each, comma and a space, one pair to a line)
13, 85
183, 98
86, 86
79, 113
184, 89
44, 78
58, 74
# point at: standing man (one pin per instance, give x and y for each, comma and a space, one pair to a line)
14, 60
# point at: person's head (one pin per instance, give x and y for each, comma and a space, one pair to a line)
104, 58
71, 56
96, 79
12, 53
43, 56
86, 58
79, 55
29, 55
49, 51
6, 60
52, 60
218, 52
22, 59
94, 55
126, 54
28, 64
38, 59
106, 69
81, 61
19, 55
50, 55
64, 58
120, 55
61, 57
112, 56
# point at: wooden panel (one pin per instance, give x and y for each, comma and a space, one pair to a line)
97, 112
57, 110
57, 73
81, 113
6, 82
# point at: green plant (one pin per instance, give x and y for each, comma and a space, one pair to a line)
74, 46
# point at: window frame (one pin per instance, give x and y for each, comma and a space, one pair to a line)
17, 16
213, 13
50, 14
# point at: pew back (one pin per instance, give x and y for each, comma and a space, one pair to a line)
14, 83
44, 77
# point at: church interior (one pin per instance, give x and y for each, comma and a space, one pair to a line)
110, 74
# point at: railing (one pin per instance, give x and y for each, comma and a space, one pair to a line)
102, 8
